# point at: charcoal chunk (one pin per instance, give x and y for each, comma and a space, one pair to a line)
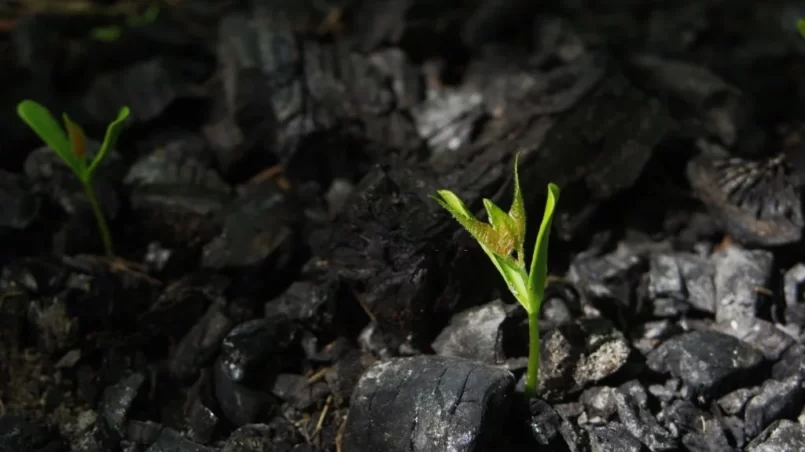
756, 199
683, 276
793, 282
475, 334
200, 344
172, 441
718, 107
739, 272
239, 403
639, 421
147, 87
776, 400
765, 336
394, 270
733, 403
613, 437
176, 192
706, 361
248, 347
447, 120
259, 227
17, 201
429, 403
17, 433
782, 435
117, 401
701, 431
791, 363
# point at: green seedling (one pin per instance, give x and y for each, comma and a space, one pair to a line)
502, 239
71, 148
801, 27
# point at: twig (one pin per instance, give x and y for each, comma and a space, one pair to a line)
323, 415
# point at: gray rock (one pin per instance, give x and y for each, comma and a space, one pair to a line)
429, 403
781, 436
776, 400
739, 272
474, 334
706, 361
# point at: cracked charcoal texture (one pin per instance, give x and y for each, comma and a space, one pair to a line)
429, 403
706, 361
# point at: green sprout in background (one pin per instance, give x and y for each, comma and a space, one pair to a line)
801, 27
71, 148
502, 236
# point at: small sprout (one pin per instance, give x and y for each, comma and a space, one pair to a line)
801, 27
72, 149
504, 235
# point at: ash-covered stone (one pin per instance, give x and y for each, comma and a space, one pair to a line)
579, 354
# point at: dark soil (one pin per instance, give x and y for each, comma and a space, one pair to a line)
284, 282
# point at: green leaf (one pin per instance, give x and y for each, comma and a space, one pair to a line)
515, 277
517, 212
109, 140
539, 261
483, 233
50, 131
503, 225
108, 33
801, 27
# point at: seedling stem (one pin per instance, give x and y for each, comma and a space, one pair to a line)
503, 236
71, 148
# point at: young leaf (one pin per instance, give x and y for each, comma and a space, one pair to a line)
801, 27
109, 140
517, 212
539, 261
50, 131
514, 275
503, 225
480, 231
77, 138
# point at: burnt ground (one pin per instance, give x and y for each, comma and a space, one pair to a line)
283, 282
